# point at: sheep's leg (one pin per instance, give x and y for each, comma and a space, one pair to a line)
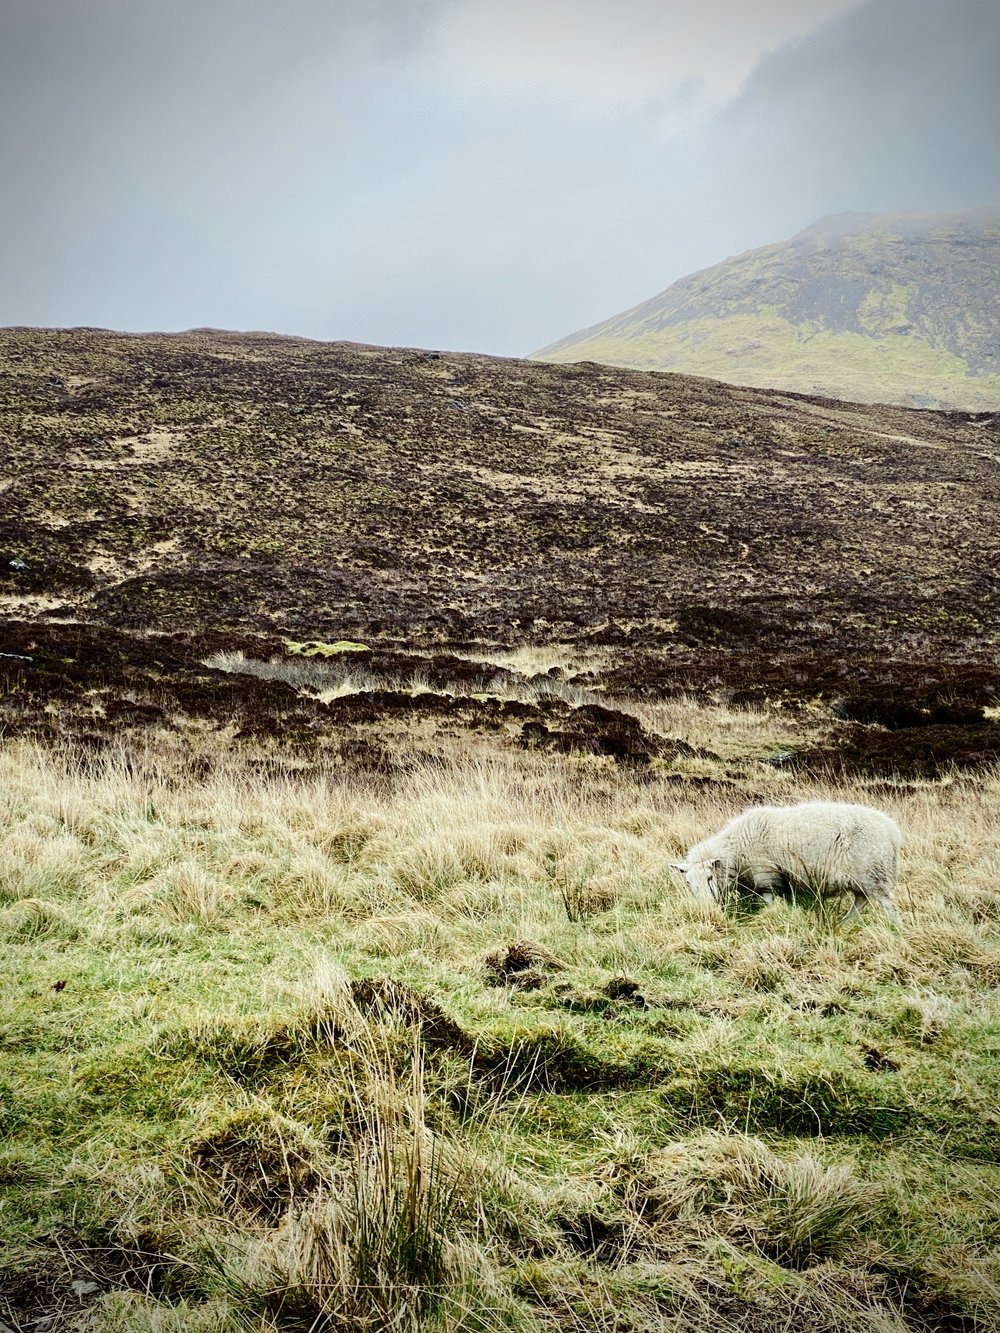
763, 887
860, 900
889, 908
884, 901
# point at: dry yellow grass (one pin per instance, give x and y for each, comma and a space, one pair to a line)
759, 1140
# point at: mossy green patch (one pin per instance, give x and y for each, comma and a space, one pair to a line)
770, 352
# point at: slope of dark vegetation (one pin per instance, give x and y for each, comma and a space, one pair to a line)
170, 497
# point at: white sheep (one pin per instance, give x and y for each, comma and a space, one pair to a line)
827, 846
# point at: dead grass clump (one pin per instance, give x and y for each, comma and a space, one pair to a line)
795, 1211
391, 1244
343, 834
489, 848
34, 918
947, 947
306, 673
531, 660
983, 905
584, 898
766, 964
923, 1019
302, 884
590, 868
427, 868
189, 892
39, 864
389, 935
521, 964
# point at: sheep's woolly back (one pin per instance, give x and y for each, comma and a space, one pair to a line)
838, 844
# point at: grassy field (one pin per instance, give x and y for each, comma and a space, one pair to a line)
449, 1048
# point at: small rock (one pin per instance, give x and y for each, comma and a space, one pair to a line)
780, 759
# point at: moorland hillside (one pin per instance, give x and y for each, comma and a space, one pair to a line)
171, 497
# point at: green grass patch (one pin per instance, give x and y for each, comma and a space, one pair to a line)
320, 1109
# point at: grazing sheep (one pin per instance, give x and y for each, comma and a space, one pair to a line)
826, 846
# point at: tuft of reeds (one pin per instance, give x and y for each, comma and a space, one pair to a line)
388, 1239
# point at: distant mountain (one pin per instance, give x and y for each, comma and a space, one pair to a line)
897, 308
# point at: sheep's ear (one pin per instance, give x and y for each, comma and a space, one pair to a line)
679, 865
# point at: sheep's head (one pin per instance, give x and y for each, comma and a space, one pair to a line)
702, 878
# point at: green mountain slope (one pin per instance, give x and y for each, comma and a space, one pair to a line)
901, 308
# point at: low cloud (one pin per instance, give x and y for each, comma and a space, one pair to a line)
458, 173
591, 52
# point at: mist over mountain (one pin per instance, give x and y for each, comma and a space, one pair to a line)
459, 173
899, 308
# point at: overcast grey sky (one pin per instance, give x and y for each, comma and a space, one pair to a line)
485, 175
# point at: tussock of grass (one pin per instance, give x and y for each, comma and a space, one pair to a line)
456, 1051
793, 1210
30, 918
